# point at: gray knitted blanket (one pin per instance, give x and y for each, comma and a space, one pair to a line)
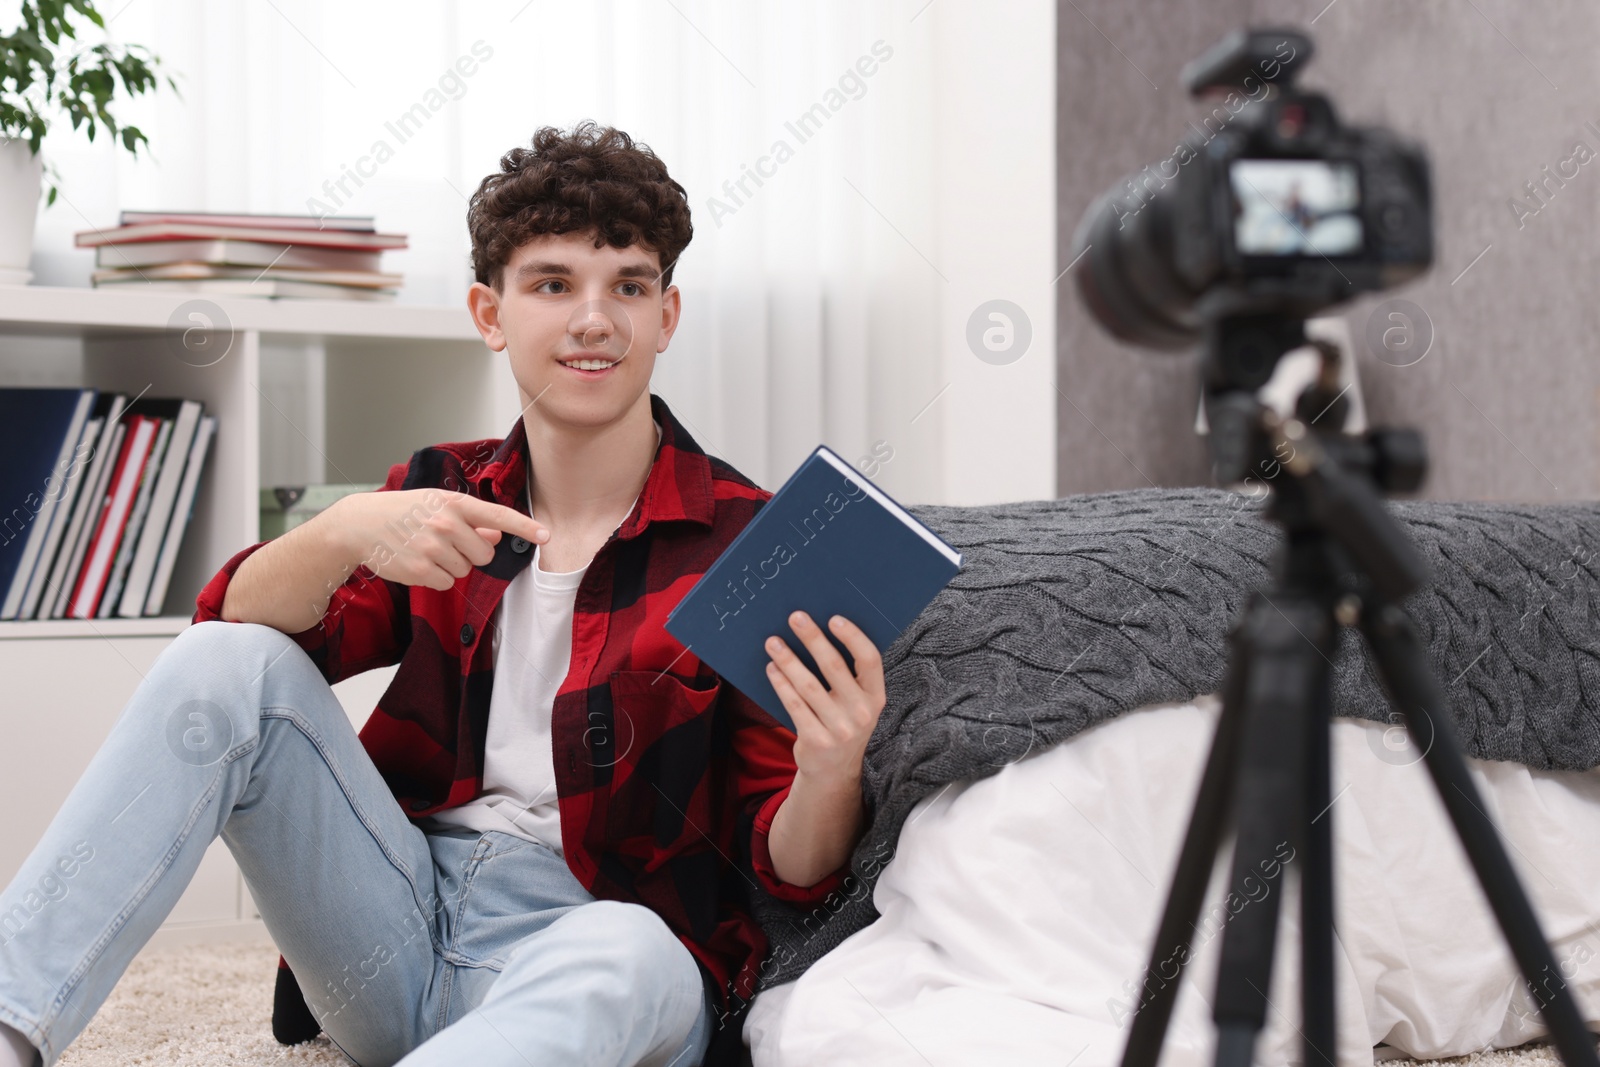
1068, 612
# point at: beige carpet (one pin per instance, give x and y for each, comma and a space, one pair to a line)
197, 1006
205, 1005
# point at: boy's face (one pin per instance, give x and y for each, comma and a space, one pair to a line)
564, 300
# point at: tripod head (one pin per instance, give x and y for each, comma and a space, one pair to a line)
1334, 478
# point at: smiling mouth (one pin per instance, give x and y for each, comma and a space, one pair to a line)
590, 363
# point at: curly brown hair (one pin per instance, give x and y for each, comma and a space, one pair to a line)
595, 178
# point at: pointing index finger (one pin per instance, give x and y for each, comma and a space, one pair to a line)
487, 513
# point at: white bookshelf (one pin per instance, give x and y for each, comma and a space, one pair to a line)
307, 391
54, 629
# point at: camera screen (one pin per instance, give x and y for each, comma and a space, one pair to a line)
1295, 207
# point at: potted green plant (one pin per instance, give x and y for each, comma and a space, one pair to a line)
46, 73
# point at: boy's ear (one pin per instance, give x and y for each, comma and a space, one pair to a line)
671, 310
484, 304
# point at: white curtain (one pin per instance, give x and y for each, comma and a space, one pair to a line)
811, 299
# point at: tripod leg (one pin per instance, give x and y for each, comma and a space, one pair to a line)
1318, 1027
1291, 644
1401, 660
1159, 990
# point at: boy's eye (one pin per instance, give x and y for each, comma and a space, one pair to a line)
552, 281
638, 290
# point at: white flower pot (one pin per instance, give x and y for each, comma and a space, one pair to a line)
21, 174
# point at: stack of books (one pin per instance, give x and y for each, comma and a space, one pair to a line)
95, 495
244, 255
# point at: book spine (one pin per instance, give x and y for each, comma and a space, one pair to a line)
354, 223
182, 512
131, 529
89, 511
74, 478
343, 239
131, 603
70, 536
236, 253
97, 566
38, 529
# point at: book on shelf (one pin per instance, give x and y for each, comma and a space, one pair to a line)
258, 254
40, 431
184, 418
182, 512
246, 287
354, 223
196, 231
99, 492
76, 476
109, 407
828, 542
135, 523
238, 254
113, 515
188, 271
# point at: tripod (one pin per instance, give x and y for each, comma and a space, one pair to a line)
1345, 562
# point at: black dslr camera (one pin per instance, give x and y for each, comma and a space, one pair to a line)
1267, 207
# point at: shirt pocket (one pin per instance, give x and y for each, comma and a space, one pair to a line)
662, 776
647, 705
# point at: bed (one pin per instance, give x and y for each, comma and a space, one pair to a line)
1017, 912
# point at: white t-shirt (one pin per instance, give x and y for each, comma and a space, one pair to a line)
532, 653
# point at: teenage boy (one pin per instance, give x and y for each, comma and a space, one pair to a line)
540, 846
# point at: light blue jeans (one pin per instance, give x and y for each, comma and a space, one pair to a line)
414, 948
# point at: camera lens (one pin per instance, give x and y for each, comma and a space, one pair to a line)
1126, 277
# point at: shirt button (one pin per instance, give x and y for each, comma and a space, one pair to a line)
418, 805
466, 633
519, 544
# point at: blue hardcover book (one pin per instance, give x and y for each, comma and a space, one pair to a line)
40, 428
828, 542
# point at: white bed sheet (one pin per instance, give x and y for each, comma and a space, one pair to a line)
1017, 913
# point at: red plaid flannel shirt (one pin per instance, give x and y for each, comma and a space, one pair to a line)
663, 770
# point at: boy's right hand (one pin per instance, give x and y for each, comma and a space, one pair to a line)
433, 536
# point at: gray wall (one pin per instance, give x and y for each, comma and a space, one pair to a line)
1509, 394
